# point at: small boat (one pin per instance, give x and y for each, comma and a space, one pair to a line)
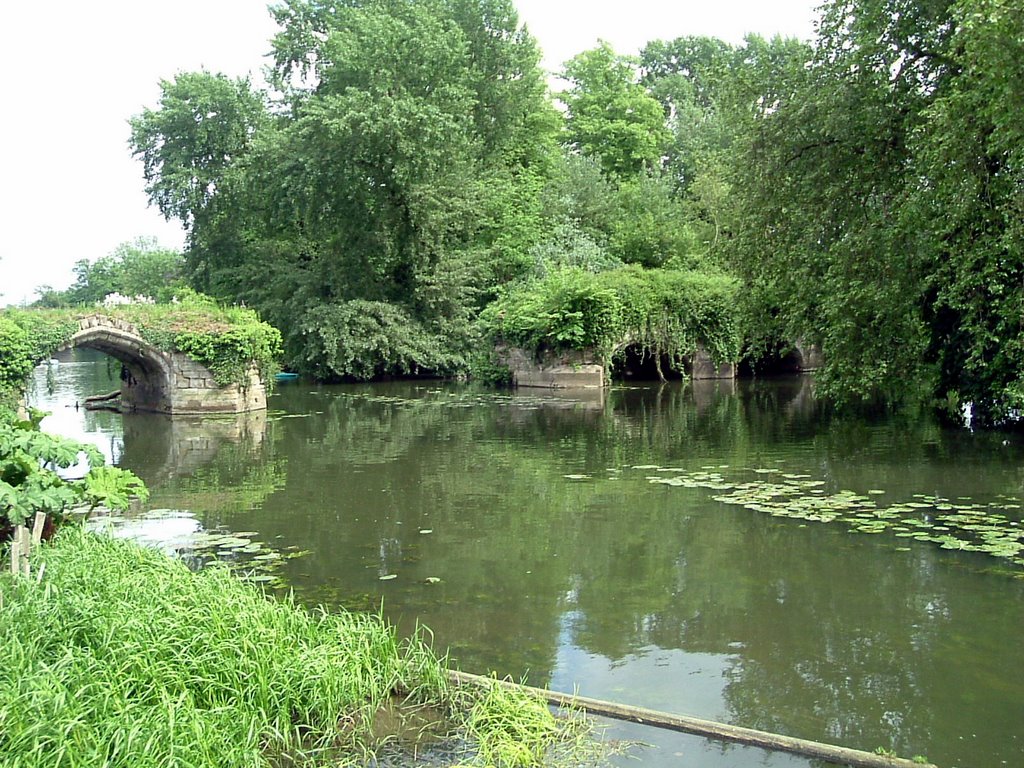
285, 376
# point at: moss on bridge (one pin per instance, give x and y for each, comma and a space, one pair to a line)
227, 340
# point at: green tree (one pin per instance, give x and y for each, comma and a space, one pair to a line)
579, 193
690, 77
610, 115
378, 163
819, 181
203, 123
967, 208
713, 93
138, 268
650, 226
405, 169
570, 247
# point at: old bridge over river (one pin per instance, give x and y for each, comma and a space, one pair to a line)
164, 381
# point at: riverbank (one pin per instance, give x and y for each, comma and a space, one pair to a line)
120, 655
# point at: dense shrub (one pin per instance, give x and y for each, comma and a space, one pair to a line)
566, 309
15, 355
367, 339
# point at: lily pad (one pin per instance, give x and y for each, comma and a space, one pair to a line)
923, 517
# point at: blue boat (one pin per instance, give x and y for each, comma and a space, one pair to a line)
285, 376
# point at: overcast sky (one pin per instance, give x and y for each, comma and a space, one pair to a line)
76, 71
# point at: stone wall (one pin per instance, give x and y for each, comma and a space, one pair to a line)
196, 391
702, 367
570, 370
580, 370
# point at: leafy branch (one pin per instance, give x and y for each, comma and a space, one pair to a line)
30, 481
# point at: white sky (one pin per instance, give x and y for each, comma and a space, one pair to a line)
77, 71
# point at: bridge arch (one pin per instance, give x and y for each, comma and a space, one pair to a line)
809, 356
147, 374
162, 381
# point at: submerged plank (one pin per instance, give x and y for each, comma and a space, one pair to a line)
706, 728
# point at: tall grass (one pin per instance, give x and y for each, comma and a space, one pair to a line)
121, 656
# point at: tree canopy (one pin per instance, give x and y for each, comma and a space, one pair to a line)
404, 174
879, 216
408, 167
610, 115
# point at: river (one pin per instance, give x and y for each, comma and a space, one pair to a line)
727, 551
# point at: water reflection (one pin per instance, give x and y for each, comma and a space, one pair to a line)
523, 530
160, 448
60, 385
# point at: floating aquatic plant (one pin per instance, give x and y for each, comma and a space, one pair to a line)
956, 524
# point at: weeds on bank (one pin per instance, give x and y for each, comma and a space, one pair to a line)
510, 728
121, 656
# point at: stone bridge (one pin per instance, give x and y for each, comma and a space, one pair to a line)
158, 381
582, 369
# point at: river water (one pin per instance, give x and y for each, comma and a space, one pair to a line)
661, 546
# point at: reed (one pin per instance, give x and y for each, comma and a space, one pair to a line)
511, 730
121, 656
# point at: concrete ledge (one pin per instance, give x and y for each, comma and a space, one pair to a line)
703, 367
561, 377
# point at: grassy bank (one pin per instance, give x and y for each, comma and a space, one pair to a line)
121, 656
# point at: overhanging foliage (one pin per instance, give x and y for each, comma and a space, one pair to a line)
664, 312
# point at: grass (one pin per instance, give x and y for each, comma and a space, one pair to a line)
121, 656
510, 729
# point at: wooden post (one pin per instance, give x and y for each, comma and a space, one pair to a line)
16, 551
26, 549
37, 528
21, 546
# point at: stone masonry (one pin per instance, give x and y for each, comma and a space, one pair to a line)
580, 370
570, 370
165, 382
